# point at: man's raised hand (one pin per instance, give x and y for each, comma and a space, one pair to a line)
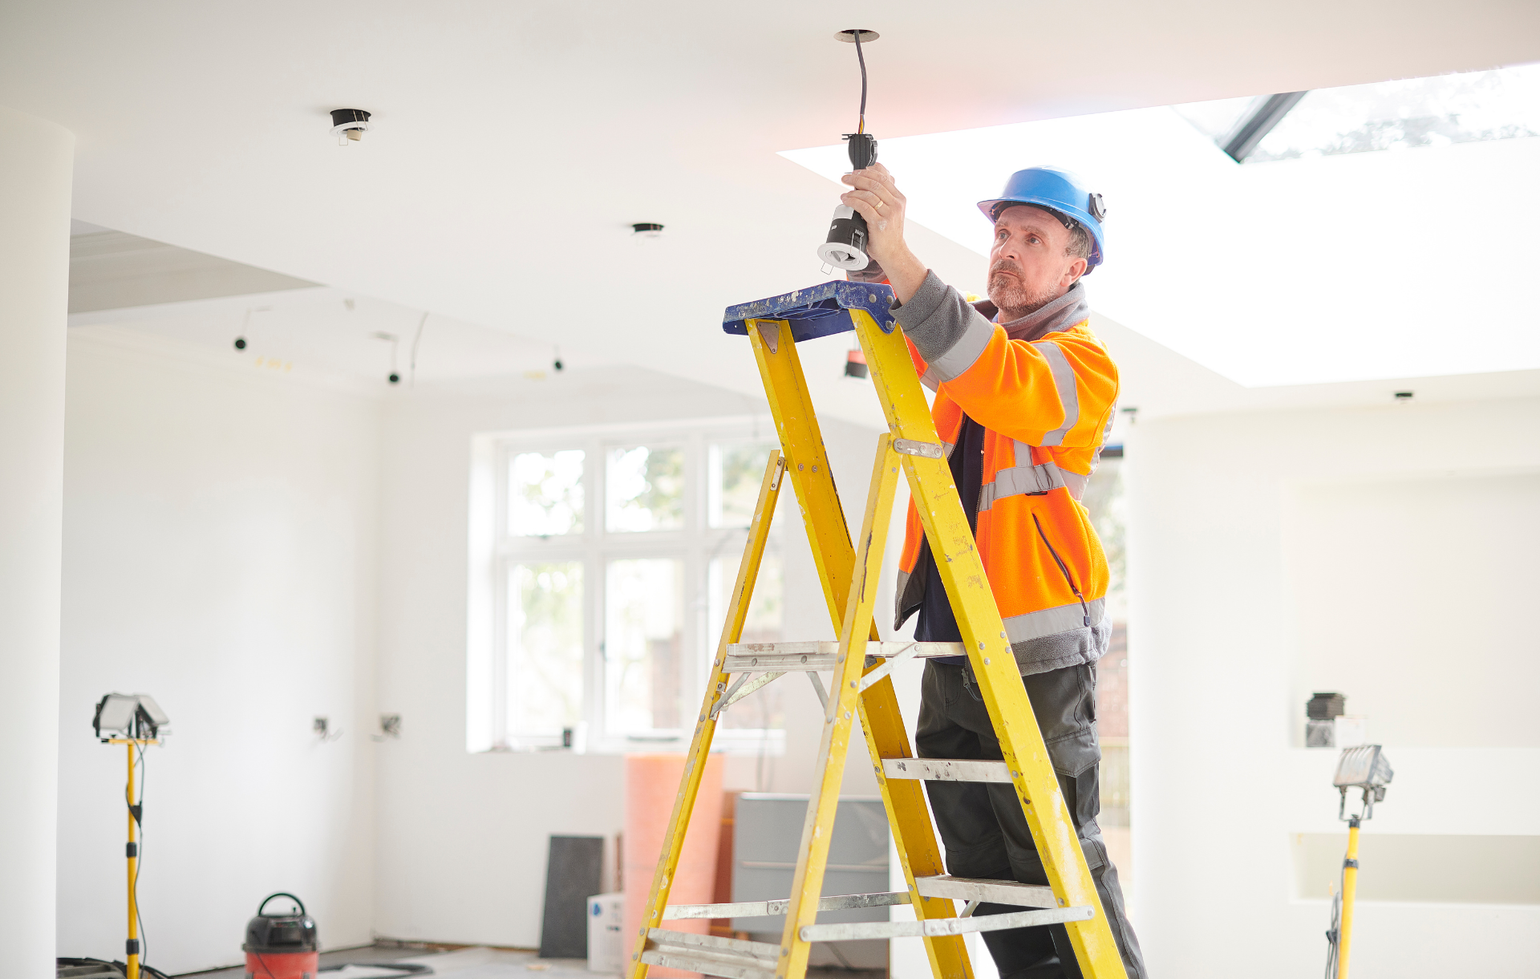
876, 198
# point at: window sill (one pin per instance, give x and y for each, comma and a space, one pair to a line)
731, 742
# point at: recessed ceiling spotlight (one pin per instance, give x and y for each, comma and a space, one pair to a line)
349, 124
647, 229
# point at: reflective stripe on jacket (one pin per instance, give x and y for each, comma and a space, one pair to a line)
1046, 404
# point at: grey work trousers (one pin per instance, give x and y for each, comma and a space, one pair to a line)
982, 825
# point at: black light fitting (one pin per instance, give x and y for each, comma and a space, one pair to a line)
349, 124
844, 247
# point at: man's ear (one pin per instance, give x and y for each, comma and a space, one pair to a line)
1074, 271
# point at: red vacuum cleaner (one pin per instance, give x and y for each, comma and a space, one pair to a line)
282, 946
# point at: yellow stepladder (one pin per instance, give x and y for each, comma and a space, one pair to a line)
861, 686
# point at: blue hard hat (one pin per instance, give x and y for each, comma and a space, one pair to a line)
1058, 191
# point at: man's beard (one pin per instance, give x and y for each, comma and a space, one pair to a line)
1010, 295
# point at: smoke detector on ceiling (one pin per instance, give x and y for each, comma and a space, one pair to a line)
349, 124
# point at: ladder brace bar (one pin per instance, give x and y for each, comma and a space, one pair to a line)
934, 927
734, 694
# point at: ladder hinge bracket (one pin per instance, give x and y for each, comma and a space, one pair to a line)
910, 447
769, 334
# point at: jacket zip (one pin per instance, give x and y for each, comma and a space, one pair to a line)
1084, 608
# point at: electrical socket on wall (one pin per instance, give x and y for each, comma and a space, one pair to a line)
322, 729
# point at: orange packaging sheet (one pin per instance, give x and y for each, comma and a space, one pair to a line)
652, 784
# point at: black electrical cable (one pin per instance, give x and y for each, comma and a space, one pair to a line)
144, 943
861, 128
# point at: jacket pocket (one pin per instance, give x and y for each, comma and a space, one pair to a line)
1069, 579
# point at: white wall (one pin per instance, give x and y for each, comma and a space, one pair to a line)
35, 165
462, 838
220, 555
1388, 551
1443, 566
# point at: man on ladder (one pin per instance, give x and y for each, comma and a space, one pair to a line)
1022, 404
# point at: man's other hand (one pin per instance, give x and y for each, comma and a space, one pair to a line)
876, 197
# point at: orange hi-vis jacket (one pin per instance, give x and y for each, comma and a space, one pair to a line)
1046, 403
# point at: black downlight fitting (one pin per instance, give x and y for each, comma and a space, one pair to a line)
845, 247
350, 125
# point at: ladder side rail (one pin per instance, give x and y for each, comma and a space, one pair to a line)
705, 728
886, 735
841, 705
807, 463
989, 651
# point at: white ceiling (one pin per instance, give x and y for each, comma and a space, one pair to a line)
514, 143
113, 270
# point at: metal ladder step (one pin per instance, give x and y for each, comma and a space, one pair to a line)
751, 909
745, 657
934, 927
946, 769
992, 891
730, 958
945, 886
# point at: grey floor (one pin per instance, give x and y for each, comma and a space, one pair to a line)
462, 963
473, 963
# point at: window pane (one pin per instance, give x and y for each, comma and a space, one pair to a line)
762, 709
545, 647
644, 668
734, 473
1108, 505
645, 489
545, 493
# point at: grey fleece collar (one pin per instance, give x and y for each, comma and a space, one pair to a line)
1061, 314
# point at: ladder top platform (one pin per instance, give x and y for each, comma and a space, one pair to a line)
817, 311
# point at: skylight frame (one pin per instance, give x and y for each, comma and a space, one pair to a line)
1397, 114
1256, 125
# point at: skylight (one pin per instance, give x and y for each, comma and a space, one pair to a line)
1436, 111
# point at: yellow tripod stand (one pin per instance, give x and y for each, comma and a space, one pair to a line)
132, 945
861, 664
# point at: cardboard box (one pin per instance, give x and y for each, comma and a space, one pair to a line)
607, 946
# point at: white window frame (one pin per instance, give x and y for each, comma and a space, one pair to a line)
493, 552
